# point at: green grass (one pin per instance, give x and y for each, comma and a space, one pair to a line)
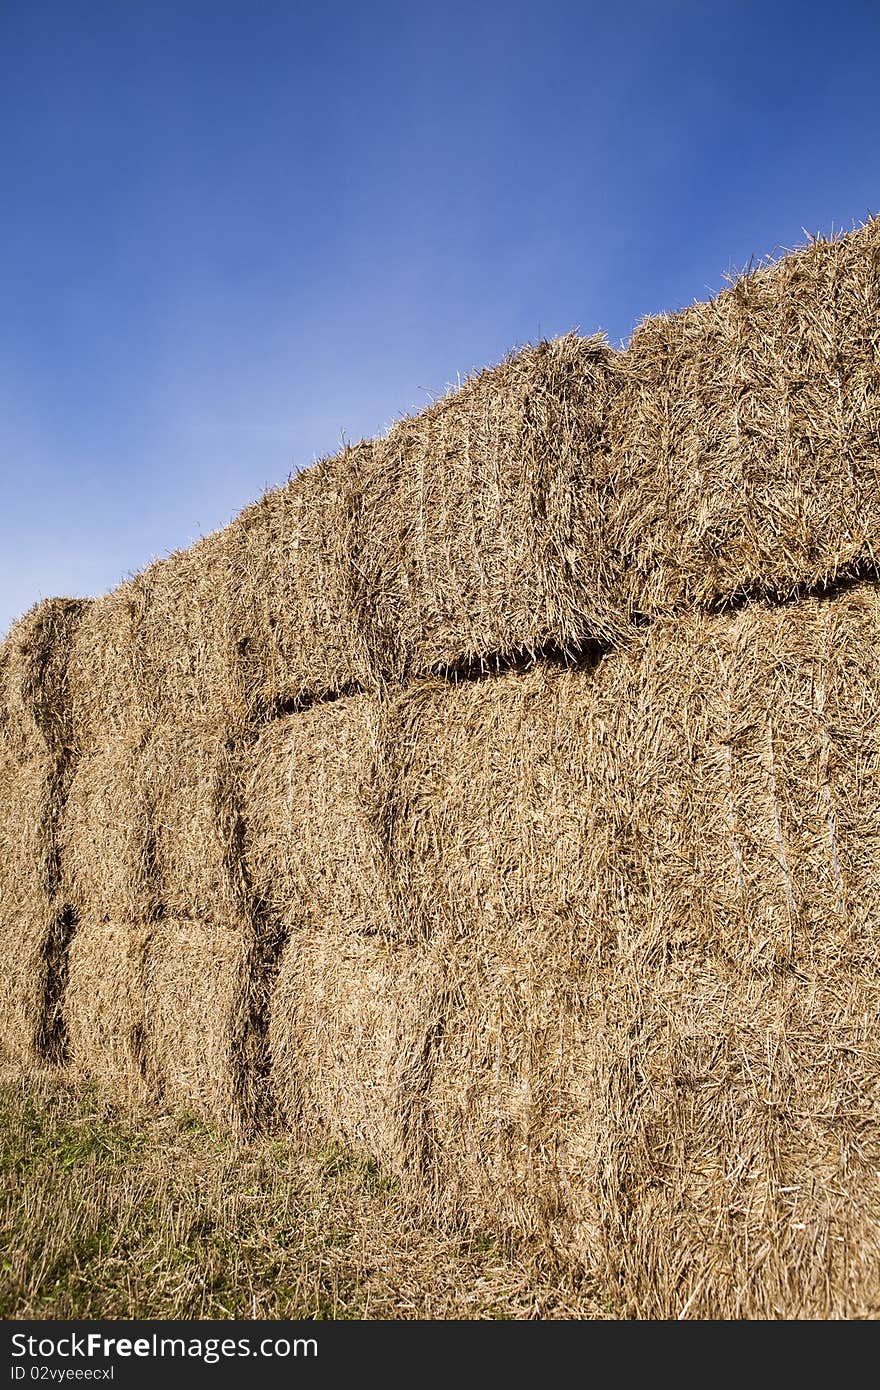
108, 1214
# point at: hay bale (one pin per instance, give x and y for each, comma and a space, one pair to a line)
313, 842
342, 576
106, 673
512, 740
478, 528
167, 1011
348, 1042
191, 779
745, 438
36, 766
301, 593
263, 611
34, 925
493, 843
198, 1009
107, 834
33, 960
35, 700
153, 825
31, 798
651, 894
104, 1006
161, 647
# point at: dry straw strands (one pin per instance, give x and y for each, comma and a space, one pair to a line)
479, 532
107, 839
640, 1025
33, 946
104, 1006
157, 648
33, 923
36, 765
350, 1038
35, 702
746, 437
153, 825
191, 775
166, 1011
312, 841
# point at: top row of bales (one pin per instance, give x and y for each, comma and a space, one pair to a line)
557, 499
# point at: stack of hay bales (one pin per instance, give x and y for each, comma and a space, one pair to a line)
613, 982
656, 889
499, 739
37, 759
347, 1052
165, 976
619, 987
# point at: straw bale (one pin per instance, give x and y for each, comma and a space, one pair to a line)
745, 438
161, 647
191, 777
105, 672
342, 577
168, 1010
473, 535
34, 926
301, 592
263, 611
103, 1006
349, 1039
197, 993
652, 914
108, 843
313, 843
153, 823
34, 941
35, 702
30, 801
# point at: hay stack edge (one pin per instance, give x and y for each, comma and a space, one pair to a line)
501, 798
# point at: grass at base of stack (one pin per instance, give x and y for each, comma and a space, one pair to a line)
116, 1212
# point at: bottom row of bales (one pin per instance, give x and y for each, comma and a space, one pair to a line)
589, 956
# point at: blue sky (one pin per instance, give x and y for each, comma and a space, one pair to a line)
233, 232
